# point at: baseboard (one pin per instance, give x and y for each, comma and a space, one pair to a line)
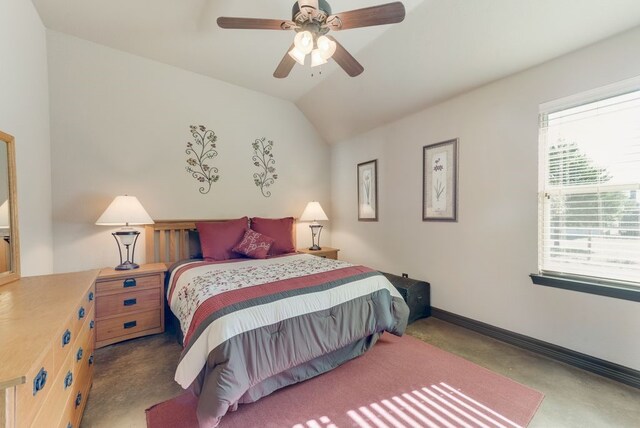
595, 365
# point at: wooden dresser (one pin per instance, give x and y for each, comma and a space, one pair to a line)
129, 303
46, 349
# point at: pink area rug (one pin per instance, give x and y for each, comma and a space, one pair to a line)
401, 382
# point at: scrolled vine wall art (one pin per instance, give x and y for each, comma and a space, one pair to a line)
201, 151
264, 161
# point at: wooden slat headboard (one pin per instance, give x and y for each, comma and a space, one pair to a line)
167, 241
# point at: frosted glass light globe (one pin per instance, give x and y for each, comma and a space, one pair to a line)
304, 42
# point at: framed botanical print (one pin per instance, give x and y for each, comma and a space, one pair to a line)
368, 191
440, 181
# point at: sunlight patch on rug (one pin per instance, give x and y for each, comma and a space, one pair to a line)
438, 406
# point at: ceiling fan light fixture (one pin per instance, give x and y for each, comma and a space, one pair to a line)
311, 20
317, 58
297, 55
304, 42
326, 46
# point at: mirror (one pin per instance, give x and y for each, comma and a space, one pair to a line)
9, 241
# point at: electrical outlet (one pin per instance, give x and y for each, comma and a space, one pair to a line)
404, 275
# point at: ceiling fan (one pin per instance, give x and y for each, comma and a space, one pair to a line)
312, 20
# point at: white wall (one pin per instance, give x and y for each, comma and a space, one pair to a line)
120, 124
479, 266
24, 113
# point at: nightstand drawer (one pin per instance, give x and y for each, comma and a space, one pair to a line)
126, 303
128, 325
129, 283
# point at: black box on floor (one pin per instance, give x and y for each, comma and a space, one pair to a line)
416, 293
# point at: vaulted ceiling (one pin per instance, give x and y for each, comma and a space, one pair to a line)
443, 47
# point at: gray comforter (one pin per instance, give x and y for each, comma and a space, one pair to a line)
274, 323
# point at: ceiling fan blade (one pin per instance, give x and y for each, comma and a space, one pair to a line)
255, 23
390, 13
285, 66
346, 60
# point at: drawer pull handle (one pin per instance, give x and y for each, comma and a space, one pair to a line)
78, 399
131, 282
92, 324
79, 355
81, 313
130, 302
68, 380
66, 338
91, 360
91, 296
39, 381
130, 324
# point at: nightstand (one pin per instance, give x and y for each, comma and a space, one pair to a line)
129, 303
326, 252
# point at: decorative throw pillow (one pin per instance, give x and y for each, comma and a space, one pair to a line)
280, 229
254, 245
217, 239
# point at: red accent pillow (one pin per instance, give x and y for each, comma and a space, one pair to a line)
217, 239
280, 229
254, 245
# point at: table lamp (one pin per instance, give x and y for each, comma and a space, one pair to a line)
125, 211
314, 212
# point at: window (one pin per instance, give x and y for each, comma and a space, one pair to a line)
589, 201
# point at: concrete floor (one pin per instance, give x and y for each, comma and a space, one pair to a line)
132, 376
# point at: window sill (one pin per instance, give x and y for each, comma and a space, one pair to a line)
617, 291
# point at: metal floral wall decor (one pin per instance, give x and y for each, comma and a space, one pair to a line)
264, 161
200, 151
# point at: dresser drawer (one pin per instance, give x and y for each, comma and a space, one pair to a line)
128, 324
63, 344
81, 314
126, 303
61, 389
133, 282
83, 374
32, 394
83, 347
74, 408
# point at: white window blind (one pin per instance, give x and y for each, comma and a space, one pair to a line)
589, 198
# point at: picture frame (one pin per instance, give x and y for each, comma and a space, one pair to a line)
440, 181
368, 191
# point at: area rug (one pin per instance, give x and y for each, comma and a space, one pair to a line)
401, 382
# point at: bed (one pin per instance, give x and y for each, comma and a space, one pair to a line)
253, 325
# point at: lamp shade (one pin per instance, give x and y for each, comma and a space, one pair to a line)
4, 215
124, 211
313, 212
317, 58
326, 46
304, 42
297, 55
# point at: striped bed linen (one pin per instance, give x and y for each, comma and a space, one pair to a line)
253, 326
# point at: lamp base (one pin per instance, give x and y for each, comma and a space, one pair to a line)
127, 266
316, 229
